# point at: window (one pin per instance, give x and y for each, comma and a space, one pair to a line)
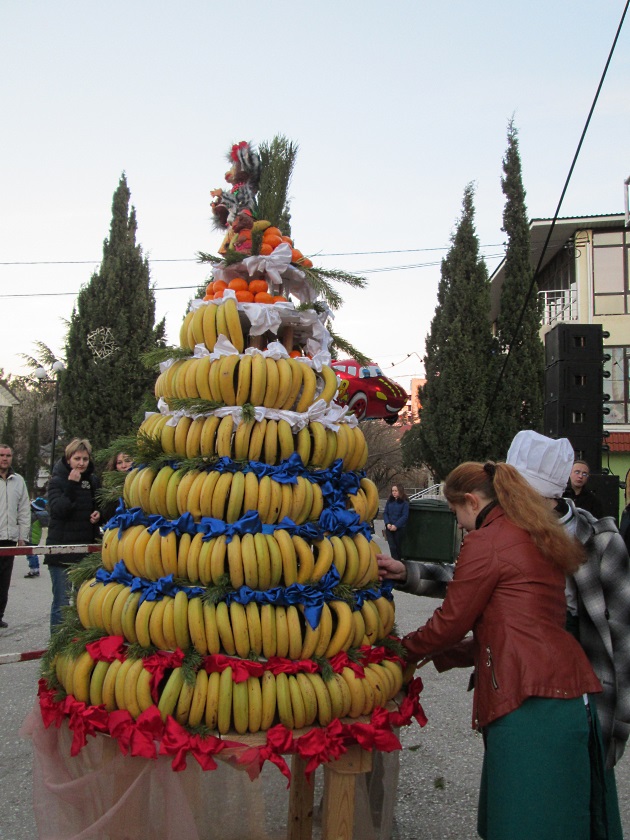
616, 385
610, 272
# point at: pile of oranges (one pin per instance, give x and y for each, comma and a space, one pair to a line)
256, 291
272, 237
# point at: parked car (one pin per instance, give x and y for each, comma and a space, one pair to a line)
367, 392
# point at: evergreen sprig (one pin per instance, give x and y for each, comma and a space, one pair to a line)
190, 665
85, 569
154, 358
195, 405
219, 592
204, 257
277, 161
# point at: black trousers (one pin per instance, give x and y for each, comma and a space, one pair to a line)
6, 570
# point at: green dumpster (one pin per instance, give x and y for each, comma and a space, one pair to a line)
431, 534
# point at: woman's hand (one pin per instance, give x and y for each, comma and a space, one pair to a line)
75, 475
94, 517
390, 568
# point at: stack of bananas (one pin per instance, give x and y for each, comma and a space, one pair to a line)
287, 595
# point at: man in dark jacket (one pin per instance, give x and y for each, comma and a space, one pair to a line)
74, 517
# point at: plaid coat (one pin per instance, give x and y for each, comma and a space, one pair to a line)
603, 585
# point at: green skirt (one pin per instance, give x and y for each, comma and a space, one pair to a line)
536, 776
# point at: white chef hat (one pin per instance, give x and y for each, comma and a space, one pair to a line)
543, 462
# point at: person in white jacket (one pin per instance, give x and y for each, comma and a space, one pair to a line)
15, 520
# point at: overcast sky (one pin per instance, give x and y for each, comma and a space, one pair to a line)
395, 107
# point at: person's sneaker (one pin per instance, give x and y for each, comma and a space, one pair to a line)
32, 574
3, 623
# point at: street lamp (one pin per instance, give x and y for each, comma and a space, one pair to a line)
42, 375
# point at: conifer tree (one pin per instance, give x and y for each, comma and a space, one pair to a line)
105, 385
459, 354
31, 465
520, 392
8, 433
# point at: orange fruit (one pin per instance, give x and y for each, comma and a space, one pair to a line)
277, 298
272, 231
263, 297
219, 285
238, 284
245, 235
272, 240
256, 286
244, 296
305, 262
296, 255
207, 297
295, 354
210, 289
288, 240
218, 295
265, 249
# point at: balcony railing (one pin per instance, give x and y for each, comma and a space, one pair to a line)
559, 305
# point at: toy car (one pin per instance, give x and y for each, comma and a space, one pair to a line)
367, 392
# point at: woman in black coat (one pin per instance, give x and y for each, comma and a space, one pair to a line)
395, 517
74, 517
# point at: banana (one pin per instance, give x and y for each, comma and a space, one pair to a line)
339, 555
275, 502
325, 556
110, 548
319, 444
388, 680
128, 617
235, 499
109, 683
296, 383
130, 688
263, 562
331, 448
325, 630
157, 496
268, 630
309, 384
85, 594
241, 439
167, 438
346, 431
193, 438
119, 684
144, 698
142, 622
356, 502
273, 383
205, 561
188, 379
214, 381
268, 690
250, 496
286, 501
396, 673
370, 696
212, 702
194, 495
298, 500
362, 459
240, 706
224, 711
183, 331
343, 633
359, 628
378, 686
200, 696
210, 326
289, 557
257, 440
183, 488
286, 444
192, 560
128, 499
223, 446
141, 489
345, 692
211, 628
96, 682
317, 505
373, 626
305, 559
254, 702
168, 624
365, 561
372, 498
283, 701
264, 499
196, 626
196, 324
254, 627
258, 379
336, 697
107, 608
170, 693
311, 639
309, 698
330, 384
244, 380
341, 442
125, 547
284, 382
235, 330
169, 376
139, 548
282, 632
250, 561
357, 695
302, 445
235, 562
81, 676
298, 706
386, 612
224, 628
324, 704
182, 636
169, 553
220, 495
275, 559
228, 379
171, 493
183, 547
352, 561
156, 624
217, 559
270, 448
207, 492
153, 568
304, 513
202, 378
184, 702
117, 611
295, 632
238, 620
222, 327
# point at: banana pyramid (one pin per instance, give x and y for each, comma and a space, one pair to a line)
241, 555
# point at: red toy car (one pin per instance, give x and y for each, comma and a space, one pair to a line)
367, 392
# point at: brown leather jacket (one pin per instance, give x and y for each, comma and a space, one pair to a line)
513, 600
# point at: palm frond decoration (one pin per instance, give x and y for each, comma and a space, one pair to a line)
277, 159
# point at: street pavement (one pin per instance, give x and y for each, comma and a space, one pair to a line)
440, 764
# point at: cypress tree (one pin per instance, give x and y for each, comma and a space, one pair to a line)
105, 385
520, 393
31, 465
459, 353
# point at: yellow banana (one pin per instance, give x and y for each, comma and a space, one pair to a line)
190, 379
194, 495
297, 703
217, 559
183, 331
270, 448
336, 698
207, 492
108, 607
352, 561
196, 626
193, 438
85, 594
258, 380
171, 493
365, 561
282, 632
235, 330
275, 502
396, 673
168, 624
141, 489
240, 706
264, 499
222, 327
197, 709
250, 496
238, 620
182, 636
254, 627
343, 633
359, 628
284, 382
183, 488
223, 444
330, 384
167, 438
235, 499
254, 702
210, 326
309, 384
109, 551
241, 439
220, 495
125, 547
275, 558
153, 568
224, 628
286, 501
228, 379
373, 626
357, 695
183, 547
235, 562
283, 701
184, 702
268, 688
317, 505
268, 630
325, 630
372, 497
378, 686
249, 559
142, 622
96, 682
324, 704
311, 639
339, 555
224, 712
257, 440
263, 562
273, 383
285, 440
109, 684
319, 444
386, 612
202, 378
196, 324
305, 559
144, 697
302, 445
205, 561
170, 693
211, 628
309, 698
294, 627
130, 688
325, 556
296, 383
157, 497
370, 696
129, 499
169, 553
212, 702
289, 557
81, 675
303, 514
119, 684
117, 611
156, 624
128, 617
244, 380
331, 448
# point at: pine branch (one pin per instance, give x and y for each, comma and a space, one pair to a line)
193, 404
203, 257
343, 346
277, 162
154, 358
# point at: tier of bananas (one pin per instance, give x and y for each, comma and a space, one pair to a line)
268, 440
259, 561
216, 701
235, 629
206, 323
171, 492
284, 384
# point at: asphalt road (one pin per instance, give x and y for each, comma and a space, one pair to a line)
439, 765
